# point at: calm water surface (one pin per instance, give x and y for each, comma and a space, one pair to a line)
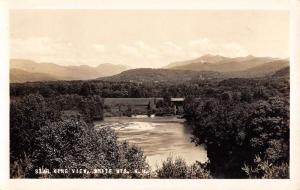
159, 138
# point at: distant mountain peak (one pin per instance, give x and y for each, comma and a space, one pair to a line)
60, 72
206, 58
109, 64
217, 63
250, 56
83, 66
208, 55
101, 64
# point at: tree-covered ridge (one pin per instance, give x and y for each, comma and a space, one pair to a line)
161, 75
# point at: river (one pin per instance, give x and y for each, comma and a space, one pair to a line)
159, 137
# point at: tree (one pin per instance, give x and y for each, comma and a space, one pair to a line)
26, 118
86, 89
179, 169
236, 132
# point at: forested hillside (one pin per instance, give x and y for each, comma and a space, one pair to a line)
243, 122
161, 75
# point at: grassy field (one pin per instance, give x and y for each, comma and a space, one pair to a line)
130, 101
127, 106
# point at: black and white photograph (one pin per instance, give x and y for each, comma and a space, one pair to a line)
178, 94
139, 94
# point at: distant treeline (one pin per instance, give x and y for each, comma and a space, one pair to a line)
145, 90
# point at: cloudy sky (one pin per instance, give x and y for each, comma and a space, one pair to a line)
144, 38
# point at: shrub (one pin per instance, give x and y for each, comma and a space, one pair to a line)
199, 170
173, 169
266, 170
178, 169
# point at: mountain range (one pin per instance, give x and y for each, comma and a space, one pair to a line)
219, 63
20, 69
261, 70
19, 76
205, 67
285, 72
161, 75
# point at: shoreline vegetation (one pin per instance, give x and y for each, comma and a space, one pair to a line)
154, 119
244, 124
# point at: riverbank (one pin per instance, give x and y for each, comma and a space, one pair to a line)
156, 119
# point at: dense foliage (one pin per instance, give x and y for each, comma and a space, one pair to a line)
178, 169
105, 89
246, 132
43, 137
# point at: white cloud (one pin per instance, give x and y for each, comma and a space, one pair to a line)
99, 47
232, 50
129, 50
172, 49
135, 54
203, 46
145, 48
140, 50
44, 49
202, 42
32, 45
